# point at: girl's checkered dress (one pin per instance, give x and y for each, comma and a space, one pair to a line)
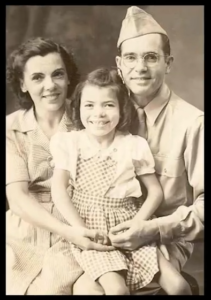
93, 179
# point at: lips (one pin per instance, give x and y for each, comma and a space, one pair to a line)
52, 95
100, 123
140, 78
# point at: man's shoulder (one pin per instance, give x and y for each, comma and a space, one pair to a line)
184, 109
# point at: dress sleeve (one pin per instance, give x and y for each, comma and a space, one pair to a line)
143, 160
16, 165
59, 148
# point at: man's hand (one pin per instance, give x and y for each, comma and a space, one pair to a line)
131, 235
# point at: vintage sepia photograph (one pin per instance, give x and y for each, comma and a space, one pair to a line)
104, 150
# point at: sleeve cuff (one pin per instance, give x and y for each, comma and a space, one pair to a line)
167, 226
144, 171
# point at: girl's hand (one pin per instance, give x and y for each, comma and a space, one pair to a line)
102, 238
84, 238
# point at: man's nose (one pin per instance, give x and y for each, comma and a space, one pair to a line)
141, 65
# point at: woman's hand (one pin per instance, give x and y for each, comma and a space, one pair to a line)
85, 238
131, 235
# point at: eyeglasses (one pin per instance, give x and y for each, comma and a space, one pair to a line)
150, 60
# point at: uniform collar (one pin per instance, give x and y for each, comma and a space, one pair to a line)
154, 108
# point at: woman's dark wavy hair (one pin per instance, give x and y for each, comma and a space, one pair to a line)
105, 78
32, 47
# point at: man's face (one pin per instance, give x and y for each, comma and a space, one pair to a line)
144, 81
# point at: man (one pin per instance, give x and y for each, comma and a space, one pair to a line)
174, 131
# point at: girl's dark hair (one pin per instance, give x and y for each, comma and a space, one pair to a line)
32, 47
107, 78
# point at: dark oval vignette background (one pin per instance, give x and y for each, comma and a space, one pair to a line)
92, 32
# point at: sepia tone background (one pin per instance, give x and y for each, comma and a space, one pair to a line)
92, 33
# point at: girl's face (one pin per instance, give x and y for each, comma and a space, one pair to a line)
45, 79
99, 110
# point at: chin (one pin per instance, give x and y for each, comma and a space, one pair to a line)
54, 107
140, 92
98, 133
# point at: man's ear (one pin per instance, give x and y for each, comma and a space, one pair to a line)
169, 62
118, 61
23, 86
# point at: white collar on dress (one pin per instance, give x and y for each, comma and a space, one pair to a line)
88, 150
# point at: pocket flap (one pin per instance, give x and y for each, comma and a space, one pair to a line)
171, 167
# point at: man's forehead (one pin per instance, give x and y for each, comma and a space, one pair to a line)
144, 43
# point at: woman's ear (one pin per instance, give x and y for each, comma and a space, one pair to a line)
23, 86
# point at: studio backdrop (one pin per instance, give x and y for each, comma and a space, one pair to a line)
92, 32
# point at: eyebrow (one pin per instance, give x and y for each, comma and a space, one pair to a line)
60, 69
128, 53
40, 73
107, 101
133, 53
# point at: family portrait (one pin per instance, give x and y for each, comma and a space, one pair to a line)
104, 150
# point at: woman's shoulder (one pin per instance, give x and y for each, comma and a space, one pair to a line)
14, 120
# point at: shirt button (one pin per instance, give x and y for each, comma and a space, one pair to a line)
165, 170
115, 150
50, 161
49, 158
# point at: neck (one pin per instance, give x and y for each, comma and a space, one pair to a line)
143, 101
102, 142
50, 118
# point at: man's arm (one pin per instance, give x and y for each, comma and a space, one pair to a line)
187, 223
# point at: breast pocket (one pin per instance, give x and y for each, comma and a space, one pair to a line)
172, 176
170, 167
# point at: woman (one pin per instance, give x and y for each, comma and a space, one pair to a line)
38, 259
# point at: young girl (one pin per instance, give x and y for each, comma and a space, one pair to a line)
104, 164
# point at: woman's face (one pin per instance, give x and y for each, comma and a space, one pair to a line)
46, 80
